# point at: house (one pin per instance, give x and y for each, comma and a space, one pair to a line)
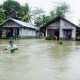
62, 28
18, 29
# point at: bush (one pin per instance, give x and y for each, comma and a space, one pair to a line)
3, 36
78, 38
49, 38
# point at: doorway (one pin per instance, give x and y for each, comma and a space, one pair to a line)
67, 34
53, 32
56, 33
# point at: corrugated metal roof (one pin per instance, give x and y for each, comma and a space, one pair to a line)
55, 19
24, 23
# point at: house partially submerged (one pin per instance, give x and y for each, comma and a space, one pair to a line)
18, 29
61, 28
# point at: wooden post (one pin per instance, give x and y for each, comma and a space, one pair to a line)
15, 32
46, 34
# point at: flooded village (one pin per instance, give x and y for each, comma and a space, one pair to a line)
50, 51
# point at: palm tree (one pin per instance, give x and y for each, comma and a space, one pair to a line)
26, 13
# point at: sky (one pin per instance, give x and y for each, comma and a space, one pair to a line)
48, 5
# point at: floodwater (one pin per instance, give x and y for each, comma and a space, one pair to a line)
38, 59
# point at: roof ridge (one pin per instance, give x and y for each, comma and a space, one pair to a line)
56, 18
24, 24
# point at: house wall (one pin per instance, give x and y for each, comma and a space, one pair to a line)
67, 25
54, 25
27, 32
23, 32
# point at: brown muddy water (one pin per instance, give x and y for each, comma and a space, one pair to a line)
38, 59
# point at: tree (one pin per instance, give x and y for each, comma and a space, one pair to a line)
2, 15
12, 9
46, 19
41, 21
60, 10
52, 14
26, 13
0, 6
38, 16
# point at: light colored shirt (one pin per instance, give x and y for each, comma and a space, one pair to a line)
9, 47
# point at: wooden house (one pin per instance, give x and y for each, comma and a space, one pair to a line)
18, 29
62, 28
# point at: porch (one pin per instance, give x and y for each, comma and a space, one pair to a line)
8, 32
63, 34
53, 33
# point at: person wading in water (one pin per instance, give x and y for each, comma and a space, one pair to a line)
12, 47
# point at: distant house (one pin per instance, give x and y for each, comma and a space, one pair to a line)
61, 28
18, 29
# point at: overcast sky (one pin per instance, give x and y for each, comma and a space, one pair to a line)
47, 5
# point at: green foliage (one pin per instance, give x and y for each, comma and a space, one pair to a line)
1, 20
78, 38
3, 36
2, 15
12, 9
39, 21
49, 38
26, 13
46, 19
38, 16
52, 14
0, 6
60, 10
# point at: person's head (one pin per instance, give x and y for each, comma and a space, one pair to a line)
11, 42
